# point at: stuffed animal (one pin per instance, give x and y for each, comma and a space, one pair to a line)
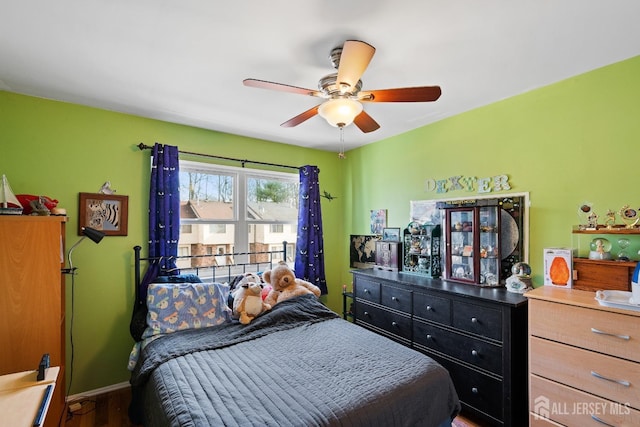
285, 284
247, 302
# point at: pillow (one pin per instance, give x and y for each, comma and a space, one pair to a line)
177, 306
138, 323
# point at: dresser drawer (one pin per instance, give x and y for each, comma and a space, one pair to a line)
396, 298
471, 350
432, 308
606, 376
477, 319
572, 407
603, 331
389, 321
367, 290
476, 389
536, 420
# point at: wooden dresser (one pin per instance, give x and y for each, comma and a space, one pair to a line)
584, 360
32, 316
478, 334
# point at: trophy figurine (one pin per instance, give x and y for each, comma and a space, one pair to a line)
611, 219
629, 216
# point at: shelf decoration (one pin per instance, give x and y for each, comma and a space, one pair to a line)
611, 219
588, 218
629, 216
600, 249
520, 280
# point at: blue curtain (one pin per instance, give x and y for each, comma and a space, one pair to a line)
309, 262
164, 224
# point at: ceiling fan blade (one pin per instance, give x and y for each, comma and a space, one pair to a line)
354, 59
263, 84
405, 94
295, 121
365, 122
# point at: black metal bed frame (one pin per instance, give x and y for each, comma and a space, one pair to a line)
231, 270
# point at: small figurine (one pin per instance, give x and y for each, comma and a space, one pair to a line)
592, 221
106, 188
520, 280
600, 249
38, 207
611, 219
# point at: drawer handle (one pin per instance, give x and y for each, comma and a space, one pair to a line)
474, 390
394, 324
474, 320
429, 337
366, 291
366, 313
621, 382
474, 353
394, 299
429, 308
593, 417
622, 337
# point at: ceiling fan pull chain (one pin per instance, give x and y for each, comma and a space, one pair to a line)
341, 153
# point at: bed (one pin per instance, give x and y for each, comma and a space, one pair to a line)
299, 364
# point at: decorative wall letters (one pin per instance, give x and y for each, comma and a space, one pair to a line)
468, 183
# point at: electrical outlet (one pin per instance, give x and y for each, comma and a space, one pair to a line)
75, 407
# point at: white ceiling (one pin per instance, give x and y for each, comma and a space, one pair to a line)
184, 61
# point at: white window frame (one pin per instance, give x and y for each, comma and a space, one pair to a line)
240, 205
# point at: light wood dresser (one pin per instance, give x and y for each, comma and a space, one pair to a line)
584, 360
32, 299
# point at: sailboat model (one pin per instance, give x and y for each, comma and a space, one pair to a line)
7, 199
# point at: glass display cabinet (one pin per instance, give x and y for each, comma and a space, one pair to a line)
483, 239
422, 249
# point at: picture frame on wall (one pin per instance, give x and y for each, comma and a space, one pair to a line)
378, 220
104, 212
362, 250
391, 234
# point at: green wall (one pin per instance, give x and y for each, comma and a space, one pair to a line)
59, 150
567, 143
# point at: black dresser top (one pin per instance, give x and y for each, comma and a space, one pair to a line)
417, 282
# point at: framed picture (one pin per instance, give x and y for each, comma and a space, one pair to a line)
378, 220
391, 234
362, 250
105, 212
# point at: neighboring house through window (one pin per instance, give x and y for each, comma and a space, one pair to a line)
226, 210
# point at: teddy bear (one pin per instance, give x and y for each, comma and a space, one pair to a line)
285, 285
247, 301
247, 277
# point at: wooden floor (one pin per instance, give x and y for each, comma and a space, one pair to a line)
107, 410
110, 410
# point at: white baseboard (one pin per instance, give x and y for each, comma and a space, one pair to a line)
98, 391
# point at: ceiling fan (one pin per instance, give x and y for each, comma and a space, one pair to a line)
342, 90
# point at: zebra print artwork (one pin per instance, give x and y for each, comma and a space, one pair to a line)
103, 214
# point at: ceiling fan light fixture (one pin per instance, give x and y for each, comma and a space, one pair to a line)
340, 112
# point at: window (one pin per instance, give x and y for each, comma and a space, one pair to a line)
217, 228
236, 210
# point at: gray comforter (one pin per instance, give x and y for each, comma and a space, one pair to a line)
297, 365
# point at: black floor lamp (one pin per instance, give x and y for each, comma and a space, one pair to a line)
96, 236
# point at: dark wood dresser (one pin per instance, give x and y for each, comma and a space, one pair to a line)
478, 334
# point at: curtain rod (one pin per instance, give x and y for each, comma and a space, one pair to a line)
143, 146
